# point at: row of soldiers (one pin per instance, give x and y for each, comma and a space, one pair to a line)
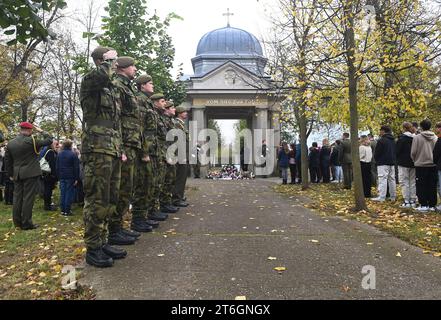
124, 156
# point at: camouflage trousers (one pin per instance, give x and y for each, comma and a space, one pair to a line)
160, 179
102, 175
125, 190
169, 184
145, 181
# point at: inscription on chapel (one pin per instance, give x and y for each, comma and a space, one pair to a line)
229, 102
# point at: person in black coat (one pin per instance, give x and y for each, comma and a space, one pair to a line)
314, 163
385, 158
325, 161
406, 167
50, 178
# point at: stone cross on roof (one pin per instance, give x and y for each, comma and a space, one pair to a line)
228, 14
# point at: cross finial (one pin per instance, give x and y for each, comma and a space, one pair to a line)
228, 15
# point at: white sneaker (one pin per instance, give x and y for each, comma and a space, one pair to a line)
379, 199
439, 208
432, 209
422, 209
406, 205
413, 204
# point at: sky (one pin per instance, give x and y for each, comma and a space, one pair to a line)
200, 17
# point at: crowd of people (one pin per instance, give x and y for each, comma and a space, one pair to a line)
413, 160
123, 166
229, 172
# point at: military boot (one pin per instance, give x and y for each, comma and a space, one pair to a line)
180, 204
157, 216
119, 239
154, 224
131, 233
97, 258
139, 225
113, 252
169, 209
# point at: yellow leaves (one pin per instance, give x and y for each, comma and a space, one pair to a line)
280, 269
272, 258
240, 298
314, 241
398, 254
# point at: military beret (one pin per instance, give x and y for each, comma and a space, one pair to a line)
157, 96
26, 125
181, 109
169, 104
125, 62
144, 78
99, 51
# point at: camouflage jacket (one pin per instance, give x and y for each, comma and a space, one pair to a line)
130, 114
149, 124
164, 125
180, 124
101, 113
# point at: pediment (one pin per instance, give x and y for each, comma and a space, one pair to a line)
230, 76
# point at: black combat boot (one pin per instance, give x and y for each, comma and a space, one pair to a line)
139, 225
154, 224
180, 204
113, 252
157, 216
169, 209
119, 239
130, 233
97, 258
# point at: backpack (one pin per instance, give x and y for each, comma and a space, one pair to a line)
44, 165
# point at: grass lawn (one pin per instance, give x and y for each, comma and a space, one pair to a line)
31, 262
420, 229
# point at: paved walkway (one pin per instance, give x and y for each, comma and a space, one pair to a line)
218, 248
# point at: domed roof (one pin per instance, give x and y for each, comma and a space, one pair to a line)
229, 41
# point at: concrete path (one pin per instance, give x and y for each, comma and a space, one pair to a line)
218, 248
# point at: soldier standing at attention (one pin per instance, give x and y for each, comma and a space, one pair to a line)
131, 139
159, 103
181, 168
170, 169
23, 167
146, 174
101, 156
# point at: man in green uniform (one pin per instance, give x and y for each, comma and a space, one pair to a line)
23, 167
131, 140
181, 168
101, 149
346, 160
170, 169
146, 172
159, 104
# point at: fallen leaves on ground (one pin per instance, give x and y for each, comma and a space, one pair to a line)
420, 229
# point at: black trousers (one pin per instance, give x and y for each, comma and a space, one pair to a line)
314, 173
181, 180
293, 172
326, 174
367, 178
9, 192
426, 179
299, 170
49, 186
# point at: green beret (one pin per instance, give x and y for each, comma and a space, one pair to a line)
99, 51
125, 62
169, 104
181, 109
144, 78
157, 96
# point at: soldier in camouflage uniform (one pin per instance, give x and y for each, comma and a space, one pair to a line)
101, 153
182, 169
146, 173
131, 140
159, 160
170, 169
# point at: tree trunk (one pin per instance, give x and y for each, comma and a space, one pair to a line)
360, 203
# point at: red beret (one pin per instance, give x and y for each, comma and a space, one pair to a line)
26, 125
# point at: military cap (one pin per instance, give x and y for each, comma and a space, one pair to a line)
26, 125
125, 62
169, 104
144, 78
157, 96
99, 51
181, 109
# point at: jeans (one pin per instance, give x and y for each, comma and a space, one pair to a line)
386, 178
338, 173
407, 180
67, 195
284, 174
